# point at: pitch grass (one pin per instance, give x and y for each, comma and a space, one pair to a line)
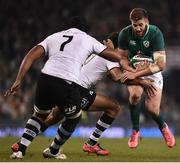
149, 150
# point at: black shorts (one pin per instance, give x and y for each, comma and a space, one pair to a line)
87, 98
52, 91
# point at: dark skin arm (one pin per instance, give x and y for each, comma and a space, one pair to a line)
116, 74
122, 53
111, 54
33, 55
125, 62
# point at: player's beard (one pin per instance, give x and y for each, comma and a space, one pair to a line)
142, 32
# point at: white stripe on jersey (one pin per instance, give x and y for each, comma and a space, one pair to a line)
67, 52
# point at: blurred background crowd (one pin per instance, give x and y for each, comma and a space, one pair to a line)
24, 23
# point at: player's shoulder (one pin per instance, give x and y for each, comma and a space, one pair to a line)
154, 28
126, 29
54, 35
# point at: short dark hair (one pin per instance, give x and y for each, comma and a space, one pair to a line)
137, 14
78, 22
114, 38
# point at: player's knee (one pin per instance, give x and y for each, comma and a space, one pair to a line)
153, 112
114, 111
117, 109
41, 117
134, 98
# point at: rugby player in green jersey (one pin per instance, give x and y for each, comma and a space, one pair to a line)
141, 38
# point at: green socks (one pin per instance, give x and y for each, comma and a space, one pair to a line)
135, 113
159, 120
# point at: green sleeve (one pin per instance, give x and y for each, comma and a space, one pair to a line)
158, 41
122, 40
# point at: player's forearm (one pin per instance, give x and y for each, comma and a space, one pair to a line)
34, 54
159, 62
125, 65
111, 55
134, 82
151, 69
25, 66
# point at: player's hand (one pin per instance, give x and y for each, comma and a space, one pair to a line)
126, 65
142, 65
127, 75
108, 43
149, 87
13, 89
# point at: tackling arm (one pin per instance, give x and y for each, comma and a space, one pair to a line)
124, 61
111, 54
158, 65
148, 86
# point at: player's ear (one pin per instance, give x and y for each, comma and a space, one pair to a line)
146, 20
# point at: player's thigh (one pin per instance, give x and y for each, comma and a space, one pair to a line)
153, 103
103, 103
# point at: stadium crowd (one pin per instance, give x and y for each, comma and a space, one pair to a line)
26, 23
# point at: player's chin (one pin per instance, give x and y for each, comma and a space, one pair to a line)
139, 34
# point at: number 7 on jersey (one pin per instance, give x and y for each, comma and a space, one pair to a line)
66, 42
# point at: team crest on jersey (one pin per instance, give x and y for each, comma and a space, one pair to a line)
146, 43
132, 42
91, 92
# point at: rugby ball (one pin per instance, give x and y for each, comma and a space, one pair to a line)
140, 60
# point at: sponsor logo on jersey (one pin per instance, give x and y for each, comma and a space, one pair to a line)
70, 110
146, 43
132, 42
30, 132
84, 102
91, 92
159, 82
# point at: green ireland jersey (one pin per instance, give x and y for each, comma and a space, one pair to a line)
151, 41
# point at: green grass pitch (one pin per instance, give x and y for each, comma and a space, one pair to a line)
149, 150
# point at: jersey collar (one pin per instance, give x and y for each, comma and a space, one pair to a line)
76, 30
146, 31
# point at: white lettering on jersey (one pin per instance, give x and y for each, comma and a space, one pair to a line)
70, 110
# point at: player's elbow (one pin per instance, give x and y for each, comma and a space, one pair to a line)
161, 65
116, 78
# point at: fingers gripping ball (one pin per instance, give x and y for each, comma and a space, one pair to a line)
140, 60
